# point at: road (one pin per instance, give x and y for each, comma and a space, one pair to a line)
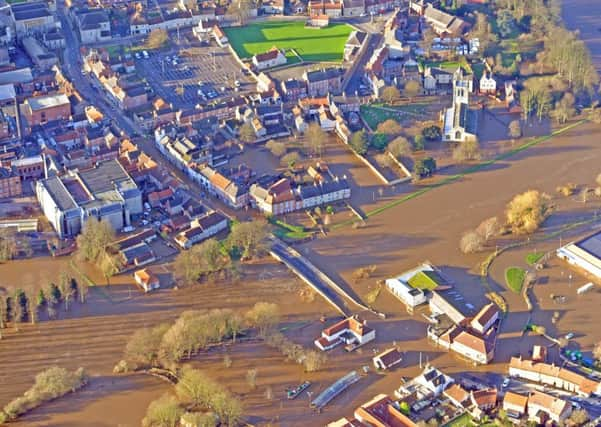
309, 273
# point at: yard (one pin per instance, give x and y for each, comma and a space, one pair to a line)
312, 44
375, 114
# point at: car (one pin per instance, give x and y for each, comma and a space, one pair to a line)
145, 54
167, 58
506, 382
237, 83
137, 55
569, 335
84, 73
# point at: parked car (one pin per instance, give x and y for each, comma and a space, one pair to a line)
505, 382
569, 335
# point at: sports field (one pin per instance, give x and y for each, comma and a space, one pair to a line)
312, 44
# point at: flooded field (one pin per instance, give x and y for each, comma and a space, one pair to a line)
583, 15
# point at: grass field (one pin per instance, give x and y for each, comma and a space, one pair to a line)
312, 44
514, 277
376, 113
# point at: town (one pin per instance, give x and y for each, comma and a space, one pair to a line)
300, 212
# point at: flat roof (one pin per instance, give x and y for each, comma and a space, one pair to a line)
42, 102
7, 91
591, 244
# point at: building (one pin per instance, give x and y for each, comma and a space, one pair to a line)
460, 122
440, 303
147, 280
272, 58
201, 229
488, 85
430, 383
29, 167
40, 56
105, 192
43, 109
543, 407
351, 332
387, 359
554, 376
294, 89
353, 7
515, 404
485, 319
32, 17
219, 36
10, 184
584, 254
444, 24
409, 287
94, 26
324, 81
382, 411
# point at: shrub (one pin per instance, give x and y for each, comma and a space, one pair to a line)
379, 141
466, 151
399, 147
567, 190
364, 272
419, 143
425, 167
163, 412
389, 127
432, 133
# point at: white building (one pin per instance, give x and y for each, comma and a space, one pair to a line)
430, 383
351, 332
272, 58
585, 254
459, 121
399, 286
488, 84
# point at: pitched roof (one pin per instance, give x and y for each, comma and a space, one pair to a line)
457, 393
350, 323
390, 357
548, 403
515, 399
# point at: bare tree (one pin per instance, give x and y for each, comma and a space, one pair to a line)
314, 138
249, 237
390, 94
467, 150
527, 211
399, 147
264, 316
278, 149
251, 378
314, 361
389, 127
489, 228
471, 242
412, 89
157, 38
515, 129
163, 412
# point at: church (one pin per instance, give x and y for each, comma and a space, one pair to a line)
460, 122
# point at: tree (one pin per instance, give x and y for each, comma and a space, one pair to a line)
193, 387
314, 360
241, 10
251, 378
515, 129
8, 245
579, 417
390, 94
95, 241
143, 346
249, 237
412, 89
264, 316
358, 142
564, 109
384, 160
290, 160
489, 228
278, 149
157, 39
399, 147
163, 412
471, 242
314, 138
428, 36
419, 143
247, 133
110, 265
425, 167
597, 351
228, 408
505, 23
467, 150
432, 133
596, 115
483, 32
389, 127
527, 211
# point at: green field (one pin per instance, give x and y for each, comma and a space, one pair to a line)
312, 44
514, 278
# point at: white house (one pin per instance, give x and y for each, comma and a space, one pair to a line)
351, 331
272, 58
147, 280
399, 287
430, 383
488, 84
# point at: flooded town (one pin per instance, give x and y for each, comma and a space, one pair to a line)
341, 213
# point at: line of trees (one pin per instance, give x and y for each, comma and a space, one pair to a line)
311, 360
167, 344
49, 384
24, 305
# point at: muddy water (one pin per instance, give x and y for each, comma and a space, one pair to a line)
40, 271
585, 16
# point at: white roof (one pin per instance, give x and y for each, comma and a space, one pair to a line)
7, 92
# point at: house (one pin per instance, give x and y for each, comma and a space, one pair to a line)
294, 90
220, 36
264, 83
318, 21
94, 25
584, 254
381, 411
353, 43
488, 85
331, 8
353, 7
10, 184
201, 229
321, 82
32, 17
485, 319
515, 404
277, 199
387, 359
554, 376
441, 303
351, 331
430, 383
272, 58
31, 167
458, 395
273, 7
435, 77
147, 280
43, 109
444, 24
459, 122
543, 407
